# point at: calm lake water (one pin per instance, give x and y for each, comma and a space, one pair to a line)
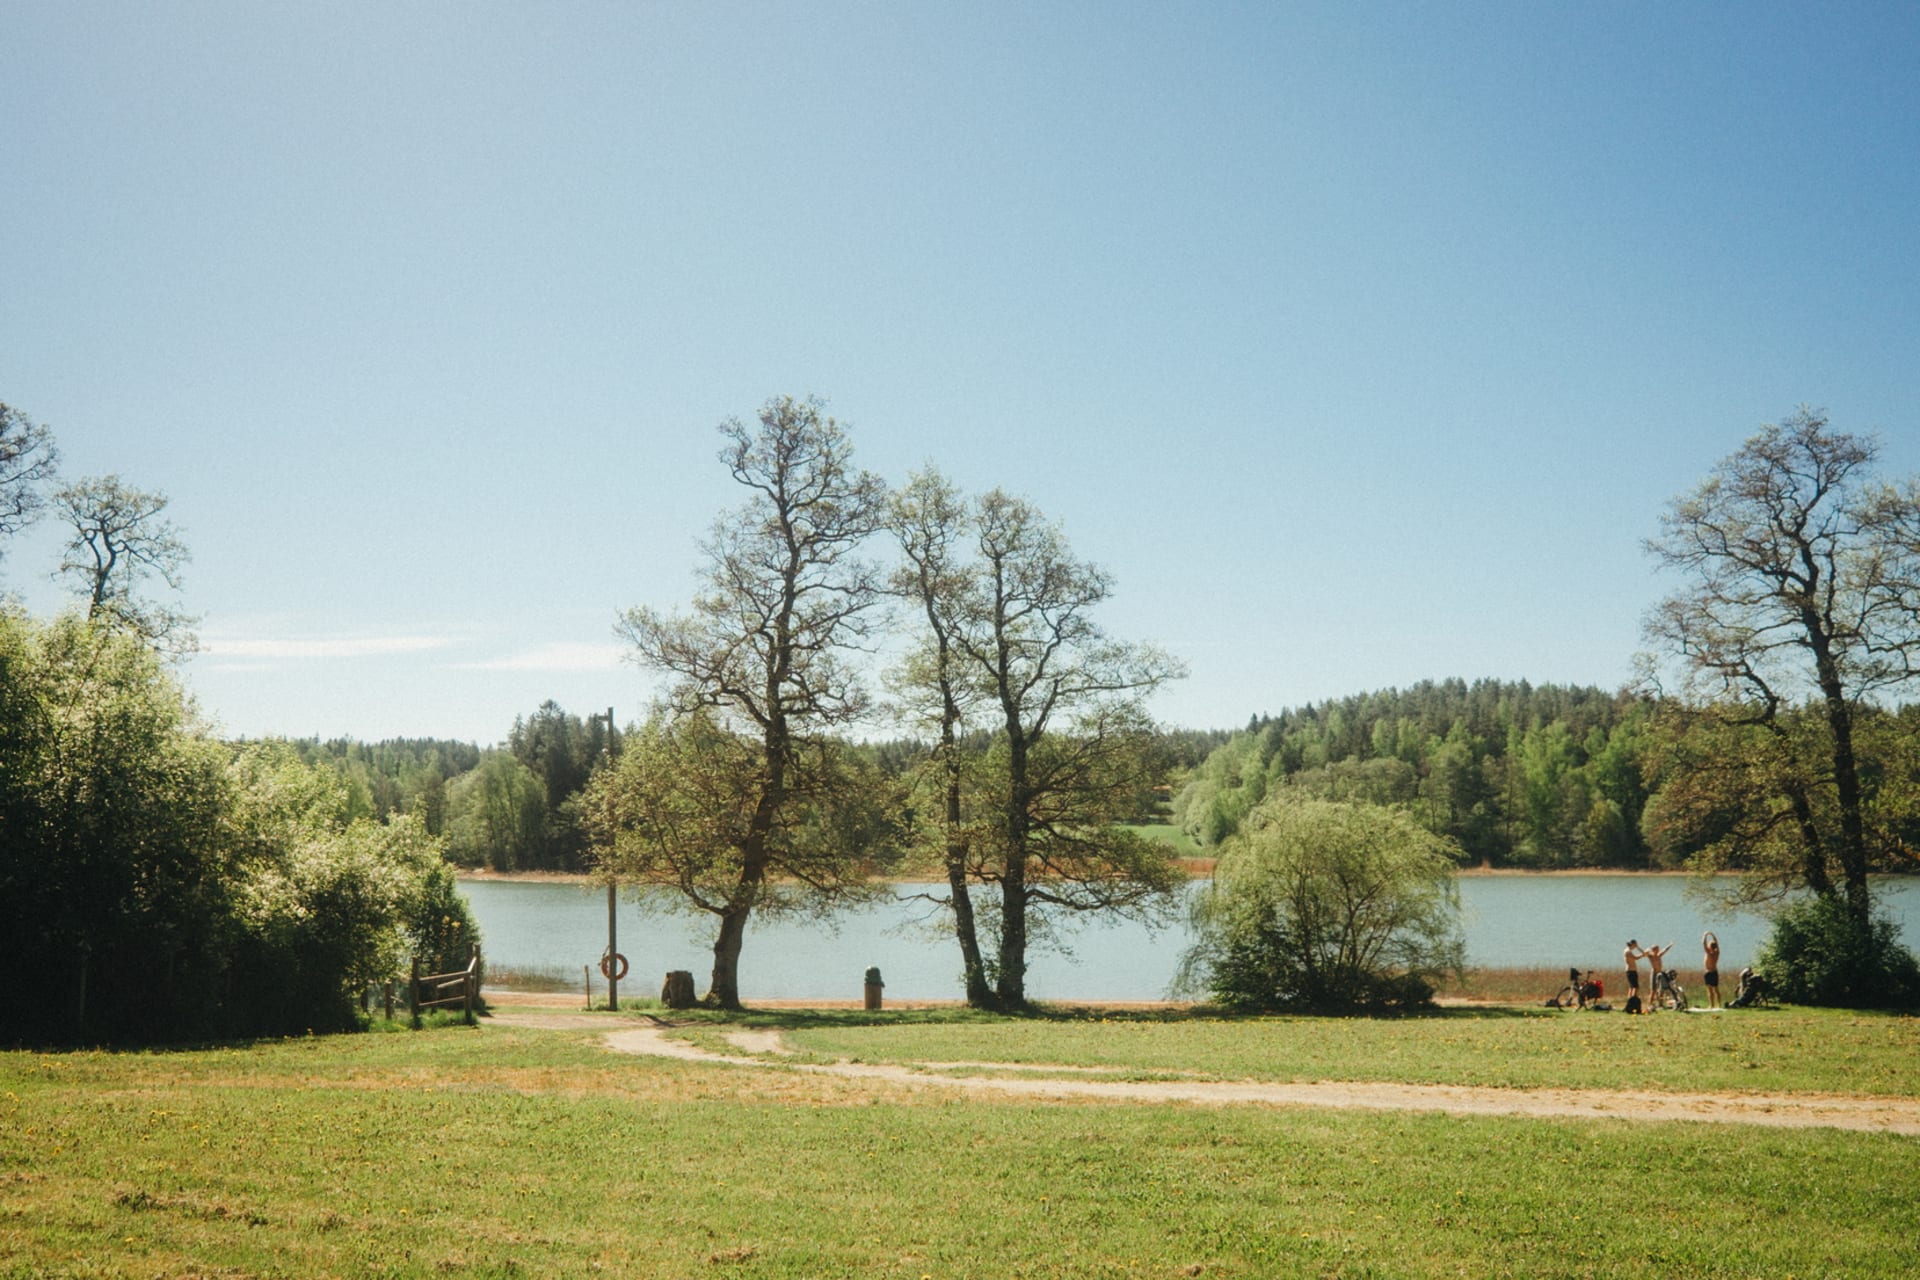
1550, 921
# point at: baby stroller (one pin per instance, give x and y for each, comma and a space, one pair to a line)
1753, 989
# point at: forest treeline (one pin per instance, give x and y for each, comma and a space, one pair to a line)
517, 806
513, 807
1517, 774
1535, 776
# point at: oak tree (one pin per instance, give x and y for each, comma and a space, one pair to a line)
764, 652
1798, 613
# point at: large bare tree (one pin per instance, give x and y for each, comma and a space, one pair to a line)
1072, 738
27, 462
764, 654
1800, 609
118, 539
930, 519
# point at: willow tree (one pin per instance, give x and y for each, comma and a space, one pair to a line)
763, 653
1798, 615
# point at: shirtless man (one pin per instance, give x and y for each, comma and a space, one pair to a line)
1711, 965
1658, 956
1633, 954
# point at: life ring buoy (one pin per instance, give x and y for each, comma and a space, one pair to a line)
613, 966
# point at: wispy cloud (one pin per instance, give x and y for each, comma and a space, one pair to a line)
300, 647
562, 655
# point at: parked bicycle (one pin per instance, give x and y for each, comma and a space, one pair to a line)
1668, 993
1579, 991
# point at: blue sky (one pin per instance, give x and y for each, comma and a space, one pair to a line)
1362, 343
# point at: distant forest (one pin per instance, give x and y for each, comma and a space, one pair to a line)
1518, 774
1528, 776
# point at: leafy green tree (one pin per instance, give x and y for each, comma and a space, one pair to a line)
765, 647
671, 812
1316, 905
1799, 607
327, 900
118, 540
113, 885
497, 816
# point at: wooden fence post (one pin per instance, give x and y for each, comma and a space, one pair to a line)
413, 994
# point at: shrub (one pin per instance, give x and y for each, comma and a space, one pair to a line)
1821, 954
1325, 906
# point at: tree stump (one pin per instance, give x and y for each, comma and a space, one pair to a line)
677, 991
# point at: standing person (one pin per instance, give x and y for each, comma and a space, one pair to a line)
1658, 957
1711, 968
1632, 955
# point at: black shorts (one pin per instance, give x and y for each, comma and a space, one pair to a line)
1711, 977
1633, 979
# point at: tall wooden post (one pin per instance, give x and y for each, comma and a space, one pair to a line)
613, 941
613, 950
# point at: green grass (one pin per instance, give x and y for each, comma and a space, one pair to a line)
502, 1152
1764, 1050
1182, 844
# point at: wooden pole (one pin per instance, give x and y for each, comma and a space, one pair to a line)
586, 973
613, 965
472, 988
413, 994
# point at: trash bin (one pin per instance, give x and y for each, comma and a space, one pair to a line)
873, 988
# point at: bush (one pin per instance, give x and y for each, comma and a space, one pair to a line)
1323, 906
1821, 954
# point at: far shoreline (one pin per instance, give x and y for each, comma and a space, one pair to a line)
1197, 869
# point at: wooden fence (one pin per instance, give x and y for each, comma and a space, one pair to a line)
443, 990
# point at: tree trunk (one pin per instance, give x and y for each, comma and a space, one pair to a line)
724, 990
1011, 985
979, 991
1846, 775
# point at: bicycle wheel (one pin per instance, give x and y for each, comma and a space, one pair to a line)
1567, 999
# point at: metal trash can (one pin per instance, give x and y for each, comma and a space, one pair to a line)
874, 986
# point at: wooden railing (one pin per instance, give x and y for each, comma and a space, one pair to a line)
443, 990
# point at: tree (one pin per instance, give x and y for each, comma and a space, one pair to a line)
764, 647
119, 539
497, 815
111, 845
673, 809
1071, 735
1326, 906
928, 517
27, 462
1801, 606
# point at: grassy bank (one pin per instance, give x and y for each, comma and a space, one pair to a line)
502, 1151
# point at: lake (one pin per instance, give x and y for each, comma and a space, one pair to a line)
1510, 921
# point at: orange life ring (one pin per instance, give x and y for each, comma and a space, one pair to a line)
613, 966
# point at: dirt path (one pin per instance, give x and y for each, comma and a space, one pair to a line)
1882, 1115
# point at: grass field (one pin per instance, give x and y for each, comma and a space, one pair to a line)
506, 1151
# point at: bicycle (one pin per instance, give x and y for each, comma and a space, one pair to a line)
1577, 992
1668, 993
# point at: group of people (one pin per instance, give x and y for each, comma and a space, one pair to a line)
1657, 956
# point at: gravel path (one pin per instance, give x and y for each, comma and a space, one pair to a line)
1882, 1115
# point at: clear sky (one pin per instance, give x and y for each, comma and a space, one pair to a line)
1363, 343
